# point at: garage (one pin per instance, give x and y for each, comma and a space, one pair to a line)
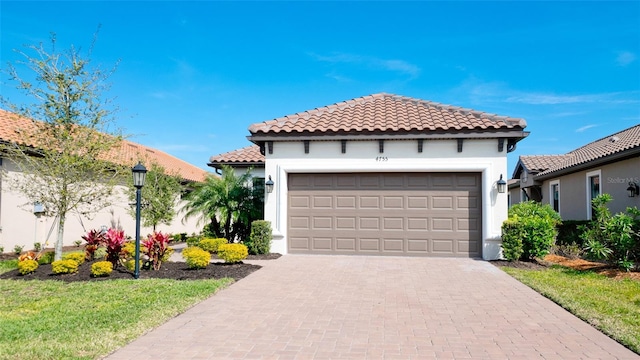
388, 214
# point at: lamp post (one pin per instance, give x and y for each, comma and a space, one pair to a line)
139, 173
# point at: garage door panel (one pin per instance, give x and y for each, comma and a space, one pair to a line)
413, 214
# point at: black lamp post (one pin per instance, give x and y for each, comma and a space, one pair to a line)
139, 174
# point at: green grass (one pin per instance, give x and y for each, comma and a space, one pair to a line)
86, 320
612, 306
8, 265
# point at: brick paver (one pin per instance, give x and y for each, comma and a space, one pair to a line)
356, 307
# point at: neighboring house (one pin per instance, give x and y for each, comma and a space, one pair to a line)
21, 223
569, 182
241, 160
386, 175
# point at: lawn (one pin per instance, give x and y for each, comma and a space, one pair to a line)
612, 306
85, 320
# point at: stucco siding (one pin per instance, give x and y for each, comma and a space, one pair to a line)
614, 181
19, 226
399, 156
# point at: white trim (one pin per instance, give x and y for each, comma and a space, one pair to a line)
551, 199
588, 177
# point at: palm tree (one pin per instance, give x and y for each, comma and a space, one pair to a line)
229, 203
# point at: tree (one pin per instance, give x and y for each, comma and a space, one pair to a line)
159, 195
229, 203
63, 151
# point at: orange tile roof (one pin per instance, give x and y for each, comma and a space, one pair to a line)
625, 140
386, 113
127, 154
248, 156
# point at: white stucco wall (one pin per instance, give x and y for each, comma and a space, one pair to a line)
401, 156
19, 226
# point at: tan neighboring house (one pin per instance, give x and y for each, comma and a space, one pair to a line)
385, 175
568, 182
22, 224
241, 160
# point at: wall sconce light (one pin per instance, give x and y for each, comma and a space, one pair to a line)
502, 185
269, 185
632, 190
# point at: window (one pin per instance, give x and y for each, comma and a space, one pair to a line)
258, 184
554, 195
593, 190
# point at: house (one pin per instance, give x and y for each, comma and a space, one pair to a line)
569, 182
386, 175
24, 224
242, 160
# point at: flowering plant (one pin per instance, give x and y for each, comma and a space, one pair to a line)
94, 239
156, 245
114, 240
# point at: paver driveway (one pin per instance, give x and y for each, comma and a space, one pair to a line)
355, 307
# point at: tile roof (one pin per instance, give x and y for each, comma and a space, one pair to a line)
387, 113
249, 155
625, 140
127, 154
539, 163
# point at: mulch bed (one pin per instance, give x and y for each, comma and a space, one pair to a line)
576, 264
169, 270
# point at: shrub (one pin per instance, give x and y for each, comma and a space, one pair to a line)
259, 241
114, 240
193, 241
569, 232
232, 253
47, 257
167, 254
616, 238
539, 223
77, 243
29, 255
37, 246
101, 268
1, 249
128, 249
94, 239
571, 251
513, 231
64, 267
196, 258
18, 249
75, 256
27, 266
131, 264
211, 245
156, 246
100, 253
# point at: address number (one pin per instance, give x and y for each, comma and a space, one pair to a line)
382, 158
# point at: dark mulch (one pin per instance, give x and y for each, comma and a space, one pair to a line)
169, 270
532, 265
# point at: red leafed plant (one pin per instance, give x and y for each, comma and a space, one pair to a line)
156, 245
114, 240
94, 239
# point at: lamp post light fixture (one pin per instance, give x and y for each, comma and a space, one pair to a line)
139, 174
269, 185
632, 190
502, 185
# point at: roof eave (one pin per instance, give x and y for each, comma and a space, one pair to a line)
622, 155
512, 134
236, 164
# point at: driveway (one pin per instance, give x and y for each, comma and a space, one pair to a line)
357, 307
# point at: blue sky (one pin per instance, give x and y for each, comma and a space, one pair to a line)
192, 76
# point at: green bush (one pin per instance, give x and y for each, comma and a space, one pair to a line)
64, 267
101, 268
131, 264
211, 245
259, 241
569, 232
232, 253
129, 249
196, 258
193, 241
75, 256
47, 257
513, 231
27, 266
539, 223
616, 238
100, 253
18, 249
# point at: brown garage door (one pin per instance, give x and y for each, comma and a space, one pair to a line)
399, 214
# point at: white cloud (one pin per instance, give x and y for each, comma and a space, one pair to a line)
625, 58
393, 65
586, 127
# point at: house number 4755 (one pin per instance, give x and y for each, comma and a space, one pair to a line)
382, 158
